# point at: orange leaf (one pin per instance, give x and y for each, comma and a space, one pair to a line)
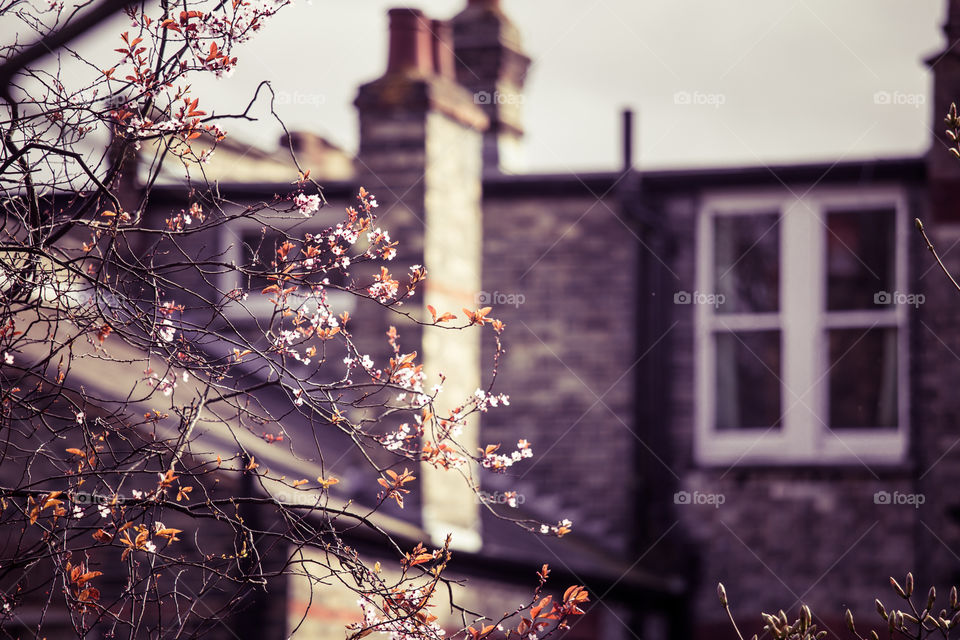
102, 536
171, 534
89, 594
88, 576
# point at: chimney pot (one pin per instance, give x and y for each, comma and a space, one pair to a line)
444, 62
411, 47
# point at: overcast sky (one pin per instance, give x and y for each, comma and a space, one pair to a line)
744, 82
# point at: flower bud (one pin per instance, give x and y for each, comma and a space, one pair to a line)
881, 610
931, 596
772, 623
908, 585
953, 597
722, 594
848, 618
896, 587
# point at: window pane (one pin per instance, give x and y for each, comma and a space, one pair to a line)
860, 258
747, 263
748, 380
863, 378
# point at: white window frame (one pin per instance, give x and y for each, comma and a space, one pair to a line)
258, 306
802, 319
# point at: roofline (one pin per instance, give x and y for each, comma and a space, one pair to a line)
906, 168
910, 168
601, 183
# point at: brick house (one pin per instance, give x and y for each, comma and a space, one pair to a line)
737, 375
734, 374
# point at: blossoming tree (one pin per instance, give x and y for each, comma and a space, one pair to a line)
133, 406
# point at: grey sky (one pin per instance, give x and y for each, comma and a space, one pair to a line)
767, 80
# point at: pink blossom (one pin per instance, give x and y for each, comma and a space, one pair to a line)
307, 204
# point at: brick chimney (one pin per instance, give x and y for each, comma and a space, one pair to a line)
420, 154
943, 169
411, 47
492, 65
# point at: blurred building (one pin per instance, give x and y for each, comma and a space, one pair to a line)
738, 375
741, 375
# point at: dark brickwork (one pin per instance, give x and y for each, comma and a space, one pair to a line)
568, 266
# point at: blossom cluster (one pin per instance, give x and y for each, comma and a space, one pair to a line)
399, 439
165, 384
307, 204
166, 331
483, 400
499, 462
384, 287
185, 218
560, 529
403, 627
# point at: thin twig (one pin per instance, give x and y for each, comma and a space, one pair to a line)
923, 233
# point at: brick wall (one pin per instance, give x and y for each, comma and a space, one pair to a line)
564, 269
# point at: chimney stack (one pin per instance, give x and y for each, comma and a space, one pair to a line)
421, 136
411, 47
492, 65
